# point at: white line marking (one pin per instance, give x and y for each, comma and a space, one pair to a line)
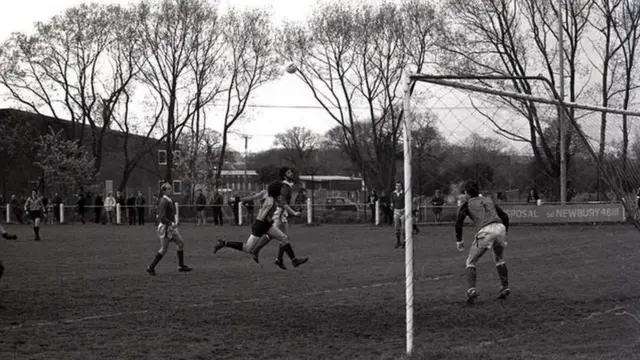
556, 326
215, 303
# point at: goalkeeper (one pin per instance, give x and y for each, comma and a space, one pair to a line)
491, 223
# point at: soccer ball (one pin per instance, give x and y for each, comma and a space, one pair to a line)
291, 68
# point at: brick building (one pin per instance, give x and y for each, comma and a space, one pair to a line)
21, 178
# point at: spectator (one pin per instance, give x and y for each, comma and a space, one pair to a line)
139, 203
46, 210
250, 207
385, 207
371, 200
81, 207
98, 206
234, 202
120, 200
533, 197
110, 208
16, 208
218, 202
201, 202
57, 201
437, 201
131, 209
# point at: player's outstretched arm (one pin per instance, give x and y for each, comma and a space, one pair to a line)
292, 212
260, 195
462, 214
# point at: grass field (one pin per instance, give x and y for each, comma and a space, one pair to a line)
82, 293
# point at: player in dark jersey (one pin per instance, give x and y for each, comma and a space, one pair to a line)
281, 221
5, 235
491, 224
397, 202
263, 229
35, 207
168, 231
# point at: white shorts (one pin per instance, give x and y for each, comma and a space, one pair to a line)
491, 234
168, 232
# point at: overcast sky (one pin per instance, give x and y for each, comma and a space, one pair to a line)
286, 92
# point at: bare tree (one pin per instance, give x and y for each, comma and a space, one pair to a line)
355, 56
63, 70
198, 161
177, 56
519, 38
299, 143
249, 64
626, 27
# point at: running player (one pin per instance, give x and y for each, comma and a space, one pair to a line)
34, 206
491, 224
281, 221
263, 228
168, 231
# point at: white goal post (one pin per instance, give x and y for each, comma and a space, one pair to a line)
473, 85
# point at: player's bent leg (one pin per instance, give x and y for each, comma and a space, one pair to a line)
262, 242
164, 245
177, 238
276, 233
36, 228
501, 268
254, 244
475, 253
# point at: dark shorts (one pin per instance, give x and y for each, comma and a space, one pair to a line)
260, 227
35, 214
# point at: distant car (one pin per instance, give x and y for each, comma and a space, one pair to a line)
340, 204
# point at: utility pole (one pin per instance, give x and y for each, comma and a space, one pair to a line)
246, 159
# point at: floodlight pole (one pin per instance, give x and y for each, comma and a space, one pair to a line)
561, 112
408, 207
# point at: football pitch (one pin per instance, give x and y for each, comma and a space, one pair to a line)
82, 293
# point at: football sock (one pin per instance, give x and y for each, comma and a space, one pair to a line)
288, 249
155, 261
504, 275
36, 230
1, 269
471, 277
280, 252
180, 254
398, 237
234, 245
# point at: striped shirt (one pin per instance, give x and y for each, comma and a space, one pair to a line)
34, 204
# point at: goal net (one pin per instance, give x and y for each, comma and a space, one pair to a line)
507, 134
546, 161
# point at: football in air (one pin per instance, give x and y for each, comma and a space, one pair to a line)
291, 68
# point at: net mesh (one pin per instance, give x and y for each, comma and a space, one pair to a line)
511, 145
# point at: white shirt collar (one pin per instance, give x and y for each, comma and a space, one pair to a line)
168, 198
287, 182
